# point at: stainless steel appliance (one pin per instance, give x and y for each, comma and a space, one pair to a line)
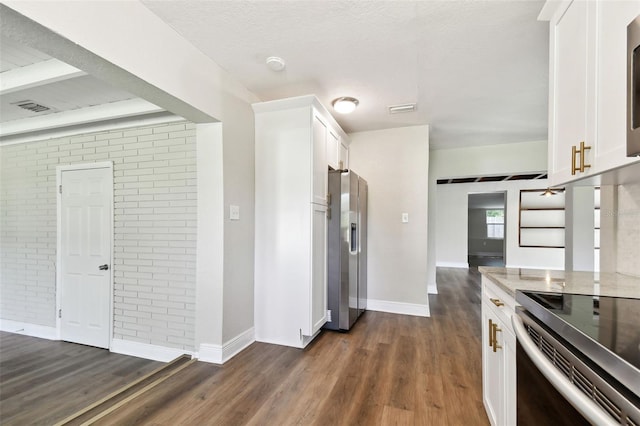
577, 359
633, 88
347, 249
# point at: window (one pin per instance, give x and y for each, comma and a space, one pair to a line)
495, 223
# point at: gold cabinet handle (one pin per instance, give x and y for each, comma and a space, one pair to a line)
573, 160
583, 147
497, 302
496, 346
490, 333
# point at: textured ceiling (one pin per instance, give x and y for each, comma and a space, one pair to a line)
477, 69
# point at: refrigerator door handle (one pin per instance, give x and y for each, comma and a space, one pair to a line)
353, 239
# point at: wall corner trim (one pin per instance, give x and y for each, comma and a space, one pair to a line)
27, 329
398, 307
432, 288
145, 350
219, 354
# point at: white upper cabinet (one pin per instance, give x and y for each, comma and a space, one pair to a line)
333, 149
343, 161
319, 161
570, 99
587, 87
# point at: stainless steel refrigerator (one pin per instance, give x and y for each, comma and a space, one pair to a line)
347, 249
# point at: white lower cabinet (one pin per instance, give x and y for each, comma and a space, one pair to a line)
498, 356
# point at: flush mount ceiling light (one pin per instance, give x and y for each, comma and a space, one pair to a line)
275, 63
345, 105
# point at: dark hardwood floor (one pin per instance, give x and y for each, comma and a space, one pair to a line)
43, 381
388, 370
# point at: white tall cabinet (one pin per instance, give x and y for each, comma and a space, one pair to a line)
293, 139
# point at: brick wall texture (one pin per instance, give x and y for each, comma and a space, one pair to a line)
154, 229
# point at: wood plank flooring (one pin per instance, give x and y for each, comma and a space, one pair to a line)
388, 370
43, 381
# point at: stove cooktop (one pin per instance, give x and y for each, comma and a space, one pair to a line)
604, 329
613, 322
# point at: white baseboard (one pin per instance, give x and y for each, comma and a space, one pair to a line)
218, 354
398, 307
33, 330
452, 265
210, 353
432, 288
145, 350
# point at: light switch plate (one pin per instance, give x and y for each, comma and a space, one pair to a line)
234, 212
405, 217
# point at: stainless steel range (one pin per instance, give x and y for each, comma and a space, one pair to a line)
578, 359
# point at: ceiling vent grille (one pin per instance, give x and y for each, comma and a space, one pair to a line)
32, 106
398, 109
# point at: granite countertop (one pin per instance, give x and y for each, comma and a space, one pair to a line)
593, 283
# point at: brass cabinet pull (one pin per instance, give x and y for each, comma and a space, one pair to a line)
490, 333
582, 149
495, 330
497, 302
582, 166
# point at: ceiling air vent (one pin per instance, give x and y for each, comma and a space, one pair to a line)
397, 109
32, 106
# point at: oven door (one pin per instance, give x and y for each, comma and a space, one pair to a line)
554, 386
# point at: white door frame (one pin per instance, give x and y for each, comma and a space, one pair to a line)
59, 170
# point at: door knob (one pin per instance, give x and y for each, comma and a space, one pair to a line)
103, 267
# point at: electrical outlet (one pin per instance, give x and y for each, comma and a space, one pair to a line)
234, 212
405, 217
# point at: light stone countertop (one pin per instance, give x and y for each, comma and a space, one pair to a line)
592, 283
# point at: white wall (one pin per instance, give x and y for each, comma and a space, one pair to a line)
395, 163
489, 160
155, 229
239, 189
93, 37
451, 220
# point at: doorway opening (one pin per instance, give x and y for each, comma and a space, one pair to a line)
487, 227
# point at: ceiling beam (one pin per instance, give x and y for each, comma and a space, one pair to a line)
38, 74
104, 112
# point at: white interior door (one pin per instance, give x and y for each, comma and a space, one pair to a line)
85, 227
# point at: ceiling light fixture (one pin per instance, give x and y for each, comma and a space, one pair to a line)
275, 63
549, 192
345, 105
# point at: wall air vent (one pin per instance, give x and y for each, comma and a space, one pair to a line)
31, 106
397, 109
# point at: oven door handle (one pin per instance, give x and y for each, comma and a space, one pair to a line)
589, 409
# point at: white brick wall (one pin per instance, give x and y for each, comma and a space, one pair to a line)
155, 229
